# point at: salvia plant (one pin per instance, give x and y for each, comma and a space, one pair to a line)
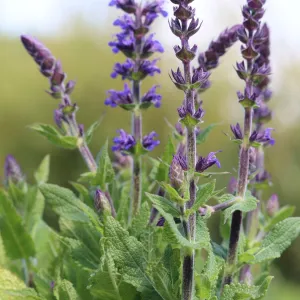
135, 227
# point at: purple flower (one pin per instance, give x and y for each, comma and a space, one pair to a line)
273, 205
126, 22
206, 162
12, 170
124, 42
128, 6
152, 97
151, 46
237, 131
124, 70
154, 7
148, 67
263, 136
124, 142
119, 97
149, 142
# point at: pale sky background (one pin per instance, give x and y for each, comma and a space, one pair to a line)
52, 17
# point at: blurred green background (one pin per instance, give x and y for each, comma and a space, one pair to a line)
82, 48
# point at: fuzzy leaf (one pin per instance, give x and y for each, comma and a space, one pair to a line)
164, 204
202, 233
55, 137
203, 195
140, 221
163, 170
278, 239
90, 132
238, 291
83, 192
249, 204
202, 136
41, 175
12, 288
105, 172
172, 233
64, 290
66, 204
282, 214
173, 194
16, 240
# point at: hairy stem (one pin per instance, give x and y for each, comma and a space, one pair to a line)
189, 259
217, 207
236, 223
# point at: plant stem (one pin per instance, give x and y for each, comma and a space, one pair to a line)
189, 258
216, 208
236, 223
136, 199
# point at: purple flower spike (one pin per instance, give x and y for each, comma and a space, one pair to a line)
264, 137
155, 7
128, 6
149, 143
12, 170
152, 97
124, 142
118, 98
237, 131
151, 46
124, 42
206, 162
124, 70
148, 67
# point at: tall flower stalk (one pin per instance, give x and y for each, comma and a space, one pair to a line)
65, 115
184, 26
252, 35
137, 45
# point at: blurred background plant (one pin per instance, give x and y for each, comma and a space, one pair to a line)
78, 32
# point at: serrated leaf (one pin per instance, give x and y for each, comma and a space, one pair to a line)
203, 195
173, 194
140, 221
64, 290
41, 175
282, 214
55, 137
90, 132
204, 133
244, 205
17, 241
246, 257
165, 204
105, 172
238, 291
66, 204
278, 239
202, 232
127, 253
12, 288
172, 233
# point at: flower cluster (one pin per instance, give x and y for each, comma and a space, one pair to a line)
12, 170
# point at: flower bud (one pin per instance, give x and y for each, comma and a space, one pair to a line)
12, 170
272, 205
101, 203
176, 172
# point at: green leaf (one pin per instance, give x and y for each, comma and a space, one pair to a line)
202, 233
64, 290
172, 233
238, 291
83, 192
204, 133
90, 132
164, 204
17, 241
127, 253
172, 193
140, 221
249, 204
55, 137
41, 175
163, 170
278, 239
282, 214
105, 172
66, 204
203, 195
